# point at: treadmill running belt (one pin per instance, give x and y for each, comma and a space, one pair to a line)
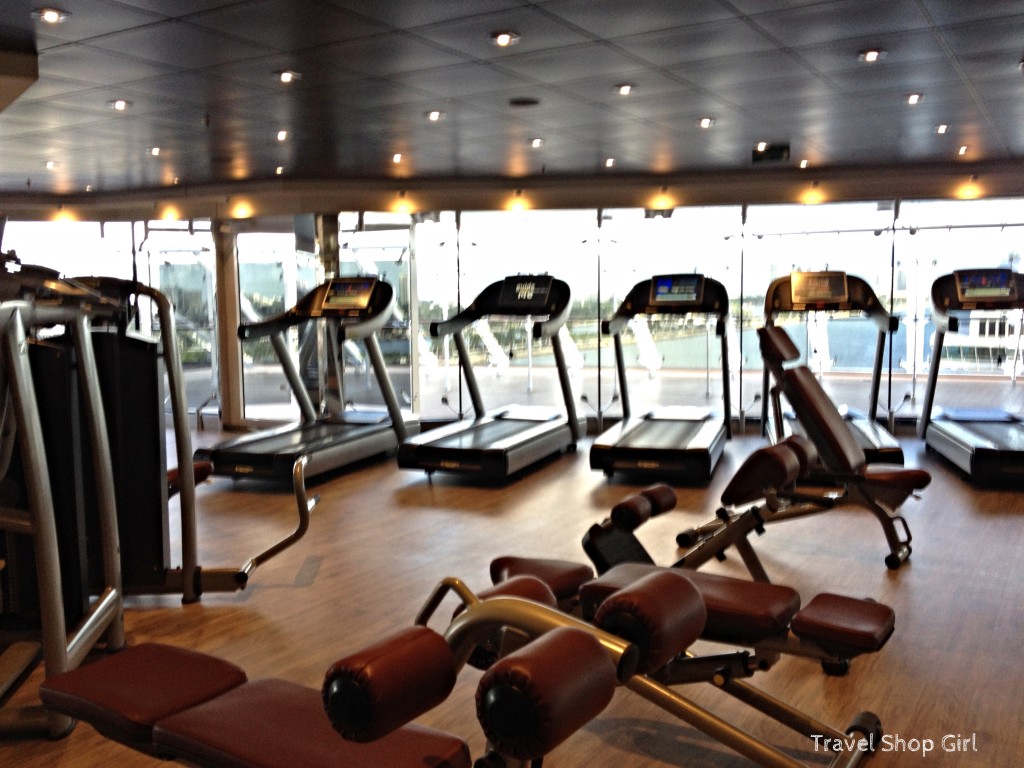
299, 440
482, 436
663, 435
1009, 437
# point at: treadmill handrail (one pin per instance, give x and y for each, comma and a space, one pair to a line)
309, 307
946, 302
947, 310
861, 298
714, 301
487, 304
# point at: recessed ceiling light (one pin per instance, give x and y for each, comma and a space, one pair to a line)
871, 55
504, 38
762, 146
289, 76
706, 122
914, 98
52, 165
279, 170
609, 162
435, 115
51, 15
119, 105
804, 163
536, 143
154, 151
396, 158
963, 150
282, 135
625, 89
942, 128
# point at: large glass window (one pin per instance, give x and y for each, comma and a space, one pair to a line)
272, 276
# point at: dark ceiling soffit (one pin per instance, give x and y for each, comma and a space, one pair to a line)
774, 185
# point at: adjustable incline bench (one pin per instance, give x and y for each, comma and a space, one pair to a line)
882, 490
661, 613
765, 617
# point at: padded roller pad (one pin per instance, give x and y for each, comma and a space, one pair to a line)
534, 699
632, 512
662, 614
805, 452
738, 611
278, 724
845, 624
766, 469
563, 576
123, 695
382, 687
661, 496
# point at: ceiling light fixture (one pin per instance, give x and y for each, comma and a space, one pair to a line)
942, 128
804, 163
282, 135
762, 146
154, 151
504, 38
962, 151
435, 115
871, 55
289, 76
536, 143
706, 122
279, 170
51, 15
396, 158
609, 162
52, 165
914, 98
119, 105
625, 89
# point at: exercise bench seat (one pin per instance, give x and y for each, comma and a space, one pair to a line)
174, 703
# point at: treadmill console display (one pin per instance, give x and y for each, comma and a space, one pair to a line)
985, 285
344, 294
819, 288
677, 289
525, 292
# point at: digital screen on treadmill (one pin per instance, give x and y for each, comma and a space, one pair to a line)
685, 289
818, 288
349, 293
985, 284
525, 291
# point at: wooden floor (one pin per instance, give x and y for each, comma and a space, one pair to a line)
382, 537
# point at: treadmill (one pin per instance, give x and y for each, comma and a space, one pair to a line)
684, 442
496, 444
837, 292
353, 308
986, 443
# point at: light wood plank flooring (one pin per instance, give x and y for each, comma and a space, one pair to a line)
382, 537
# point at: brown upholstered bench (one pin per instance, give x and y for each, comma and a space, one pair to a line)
179, 704
831, 628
